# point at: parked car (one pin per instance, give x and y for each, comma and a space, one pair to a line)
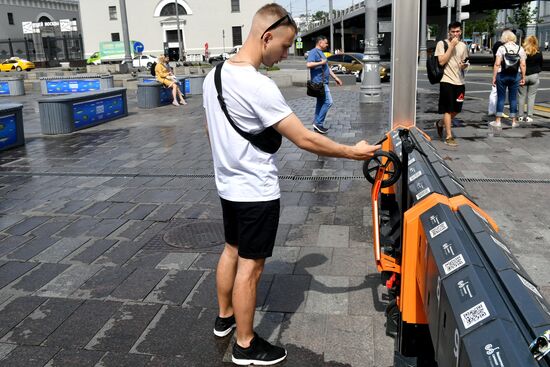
352, 63
224, 55
16, 64
143, 61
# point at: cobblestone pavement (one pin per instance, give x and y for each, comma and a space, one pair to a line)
96, 270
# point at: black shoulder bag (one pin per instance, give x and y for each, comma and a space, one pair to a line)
316, 89
268, 140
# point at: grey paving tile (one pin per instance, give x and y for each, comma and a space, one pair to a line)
126, 195
177, 261
314, 261
164, 212
77, 330
320, 215
79, 227
68, 281
145, 259
140, 211
12, 312
293, 215
328, 295
13, 270
103, 283
206, 262
36, 327
166, 337
105, 227
6, 349
333, 236
282, 261
32, 248
302, 235
123, 360
123, 329
95, 208
350, 340
119, 254
130, 230
51, 227
27, 225
116, 210
10, 243
7, 221
351, 262
304, 330
138, 285
159, 196
39, 276
80, 358
29, 356
93, 250
73, 206
174, 287
287, 293
60, 250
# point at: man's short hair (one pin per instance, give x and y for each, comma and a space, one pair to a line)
319, 39
276, 11
455, 25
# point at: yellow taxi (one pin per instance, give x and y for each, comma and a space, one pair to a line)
16, 64
352, 63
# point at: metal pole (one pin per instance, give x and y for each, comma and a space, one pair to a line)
423, 26
125, 33
371, 91
448, 12
307, 17
180, 48
404, 69
330, 15
10, 47
342, 37
223, 39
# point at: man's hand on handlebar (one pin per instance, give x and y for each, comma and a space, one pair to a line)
362, 150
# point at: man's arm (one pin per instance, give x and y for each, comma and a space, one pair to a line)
444, 58
314, 64
292, 128
336, 79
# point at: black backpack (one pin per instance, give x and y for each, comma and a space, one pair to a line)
435, 71
152, 68
510, 62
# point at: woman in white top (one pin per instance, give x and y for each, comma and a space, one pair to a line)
508, 73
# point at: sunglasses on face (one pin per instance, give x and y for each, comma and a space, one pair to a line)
278, 23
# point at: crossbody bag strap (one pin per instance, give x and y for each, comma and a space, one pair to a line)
218, 83
322, 66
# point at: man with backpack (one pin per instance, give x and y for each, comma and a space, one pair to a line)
452, 56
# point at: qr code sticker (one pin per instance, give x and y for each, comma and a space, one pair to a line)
475, 315
423, 193
453, 264
99, 109
434, 232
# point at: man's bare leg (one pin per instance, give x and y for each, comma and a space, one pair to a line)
225, 278
244, 298
447, 122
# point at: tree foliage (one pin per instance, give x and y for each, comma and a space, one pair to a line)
319, 15
485, 24
523, 16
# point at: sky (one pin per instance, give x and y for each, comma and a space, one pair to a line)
299, 6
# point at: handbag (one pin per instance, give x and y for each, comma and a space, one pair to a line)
316, 89
268, 140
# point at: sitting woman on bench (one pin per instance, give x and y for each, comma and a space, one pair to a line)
165, 76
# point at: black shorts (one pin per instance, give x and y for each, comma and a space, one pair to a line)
451, 97
251, 226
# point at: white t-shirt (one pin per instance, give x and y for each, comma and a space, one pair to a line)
513, 48
243, 172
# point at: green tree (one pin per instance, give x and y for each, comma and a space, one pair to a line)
523, 16
485, 24
319, 15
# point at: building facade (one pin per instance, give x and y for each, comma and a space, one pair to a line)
220, 24
540, 28
44, 31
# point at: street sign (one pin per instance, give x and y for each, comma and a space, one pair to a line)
138, 47
299, 45
298, 39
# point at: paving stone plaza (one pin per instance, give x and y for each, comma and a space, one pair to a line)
99, 264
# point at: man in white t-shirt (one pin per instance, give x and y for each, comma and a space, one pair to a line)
246, 176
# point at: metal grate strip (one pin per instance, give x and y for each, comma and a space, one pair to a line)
504, 180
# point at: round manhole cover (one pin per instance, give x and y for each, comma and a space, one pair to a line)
196, 235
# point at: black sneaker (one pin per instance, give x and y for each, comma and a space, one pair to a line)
224, 325
260, 353
320, 129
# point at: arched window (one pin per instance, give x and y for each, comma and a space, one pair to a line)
170, 9
44, 19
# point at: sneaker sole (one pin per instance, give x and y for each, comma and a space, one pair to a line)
221, 334
319, 130
246, 362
